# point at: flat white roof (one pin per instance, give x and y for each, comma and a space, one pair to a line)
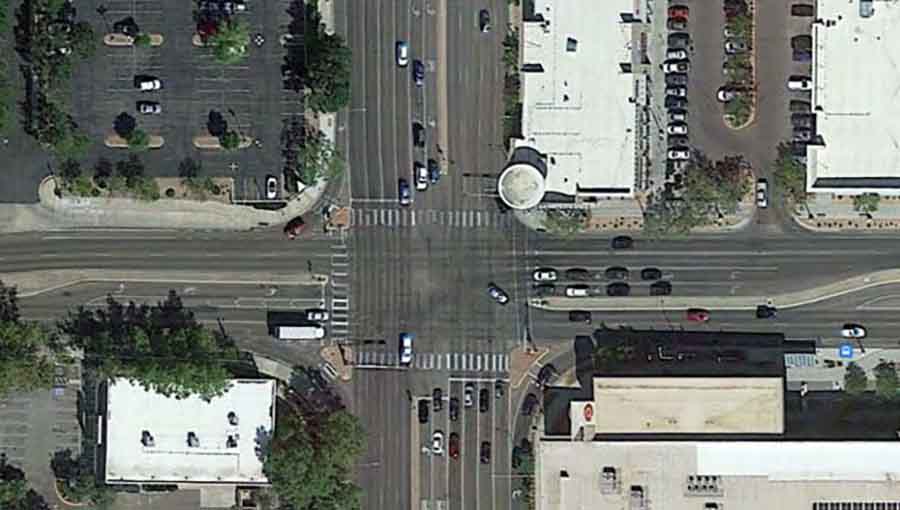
577, 111
856, 83
751, 475
131, 410
703, 405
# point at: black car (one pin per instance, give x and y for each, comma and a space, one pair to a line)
679, 41
766, 312
618, 289
802, 42
484, 21
484, 400
678, 141
676, 80
454, 408
578, 274
622, 242
418, 72
580, 316
544, 290
616, 273
418, 131
423, 411
547, 375
802, 120
661, 288
798, 106
676, 103
437, 399
434, 171
529, 404
650, 274
801, 10
485, 452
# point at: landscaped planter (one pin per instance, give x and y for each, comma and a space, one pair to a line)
115, 141
212, 142
127, 40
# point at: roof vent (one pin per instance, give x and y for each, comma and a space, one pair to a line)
147, 439
232, 418
231, 442
866, 9
571, 44
192, 440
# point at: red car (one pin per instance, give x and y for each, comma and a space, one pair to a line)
294, 227
679, 12
697, 315
454, 445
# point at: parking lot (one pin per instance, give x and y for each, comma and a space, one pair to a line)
474, 476
248, 96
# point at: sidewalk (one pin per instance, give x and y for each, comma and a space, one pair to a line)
787, 300
829, 213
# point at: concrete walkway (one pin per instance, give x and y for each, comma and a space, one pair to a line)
786, 300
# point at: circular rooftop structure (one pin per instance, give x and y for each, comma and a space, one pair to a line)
521, 186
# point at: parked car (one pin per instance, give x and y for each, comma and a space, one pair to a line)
676, 24
484, 400
499, 388
697, 315
616, 273
677, 54
676, 80
454, 408
544, 290
802, 83
418, 131
679, 154
147, 83
577, 273
621, 242
485, 452
801, 55
148, 107
679, 12
678, 141
801, 120
802, 135
802, 42
418, 71
421, 176
498, 294
726, 94
271, 187
437, 443
854, 331
401, 50
403, 192
469, 395
484, 21
294, 227
578, 290
453, 446
798, 106
676, 103
544, 274
676, 91
677, 128
406, 348
650, 274
437, 400
678, 40
434, 171
317, 315
802, 10
423, 411
762, 193
618, 289
661, 288
529, 404
766, 312
678, 115
678, 66
580, 316
733, 46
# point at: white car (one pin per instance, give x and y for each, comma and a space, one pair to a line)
317, 315
421, 176
149, 107
406, 348
676, 67
679, 154
577, 291
402, 51
544, 275
676, 91
677, 115
271, 187
762, 193
853, 331
437, 443
677, 128
146, 83
799, 83
469, 395
677, 55
725, 94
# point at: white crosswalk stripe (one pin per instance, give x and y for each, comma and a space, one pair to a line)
339, 329
453, 362
409, 218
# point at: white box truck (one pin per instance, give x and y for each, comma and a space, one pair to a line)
300, 332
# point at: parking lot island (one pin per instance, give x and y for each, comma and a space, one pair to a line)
114, 141
116, 39
212, 142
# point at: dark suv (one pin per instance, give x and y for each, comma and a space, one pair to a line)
580, 316
418, 134
618, 289
484, 400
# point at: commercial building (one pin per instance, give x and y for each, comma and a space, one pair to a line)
855, 83
579, 105
215, 445
692, 437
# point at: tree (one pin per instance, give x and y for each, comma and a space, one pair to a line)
789, 174
161, 347
886, 383
855, 380
317, 158
867, 203
142, 40
328, 65
84, 41
78, 482
310, 462
9, 303
230, 140
69, 170
131, 169
189, 169
124, 125
230, 41
25, 360
139, 140
741, 25
103, 170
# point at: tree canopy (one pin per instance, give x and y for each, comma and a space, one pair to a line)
790, 175
26, 350
886, 383
855, 380
328, 65
310, 463
867, 203
317, 158
161, 347
230, 41
14, 491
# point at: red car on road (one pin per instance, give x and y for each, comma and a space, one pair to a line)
697, 315
679, 12
454, 445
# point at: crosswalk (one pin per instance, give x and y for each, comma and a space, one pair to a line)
799, 360
408, 218
453, 362
340, 291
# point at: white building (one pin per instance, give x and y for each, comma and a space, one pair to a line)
151, 439
578, 96
856, 80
